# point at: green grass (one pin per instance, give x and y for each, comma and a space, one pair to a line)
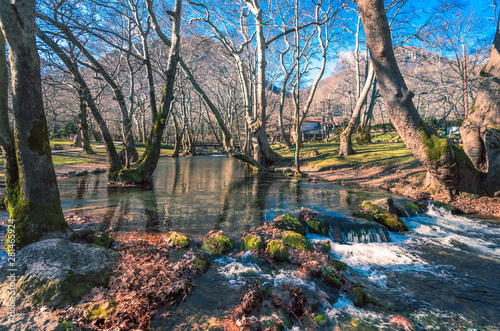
387, 155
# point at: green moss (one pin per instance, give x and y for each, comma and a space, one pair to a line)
66, 325
33, 221
318, 227
201, 265
252, 242
359, 297
363, 215
330, 279
289, 222
339, 265
321, 320
96, 311
130, 176
410, 207
93, 237
179, 240
277, 250
217, 245
435, 148
381, 216
296, 241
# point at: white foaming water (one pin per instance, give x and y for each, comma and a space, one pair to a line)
444, 229
372, 259
234, 270
345, 308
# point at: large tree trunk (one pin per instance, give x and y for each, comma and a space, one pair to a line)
144, 171
36, 208
448, 167
364, 136
7, 144
346, 136
480, 131
84, 91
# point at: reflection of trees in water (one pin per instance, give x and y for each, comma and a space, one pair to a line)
115, 216
251, 192
150, 205
81, 187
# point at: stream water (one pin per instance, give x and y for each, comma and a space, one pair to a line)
444, 274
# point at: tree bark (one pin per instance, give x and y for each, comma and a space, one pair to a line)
346, 136
84, 91
36, 207
480, 131
365, 135
7, 143
448, 167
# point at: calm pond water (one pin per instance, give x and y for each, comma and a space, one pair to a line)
198, 194
444, 274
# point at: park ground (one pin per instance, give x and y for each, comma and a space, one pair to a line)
385, 164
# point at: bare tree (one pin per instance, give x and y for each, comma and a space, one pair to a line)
447, 165
33, 202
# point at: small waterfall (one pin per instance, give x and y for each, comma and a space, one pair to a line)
350, 230
365, 236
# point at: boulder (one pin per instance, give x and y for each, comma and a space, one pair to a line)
42, 320
407, 208
55, 272
383, 212
82, 173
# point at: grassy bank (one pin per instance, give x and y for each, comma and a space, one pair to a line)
386, 155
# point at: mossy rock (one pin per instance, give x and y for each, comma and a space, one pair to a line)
277, 250
406, 208
95, 311
330, 279
179, 240
339, 265
94, 237
290, 223
201, 263
318, 227
296, 241
252, 242
321, 320
381, 216
449, 208
360, 298
70, 270
217, 245
271, 325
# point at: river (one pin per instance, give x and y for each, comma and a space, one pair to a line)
442, 274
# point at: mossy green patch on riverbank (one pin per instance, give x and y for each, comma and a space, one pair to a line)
290, 223
252, 242
277, 250
217, 245
379, 215
386, 155
179, 240
296, 241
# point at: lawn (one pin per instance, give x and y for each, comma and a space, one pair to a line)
387, 155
